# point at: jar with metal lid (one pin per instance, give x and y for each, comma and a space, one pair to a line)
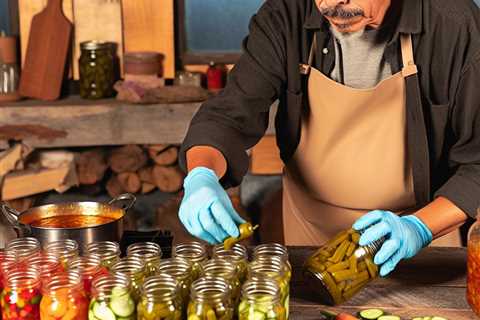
473, 266
210, 299
238, 255
65, 250
261, 300
341, 267
9, 70
149, 252
107, 251
112, 298
63, 298
134, 269
195, 252
277, 250
97, 70
23, 247
228, 271
181, 270
47, 265
20, 298
88, 268
160, 299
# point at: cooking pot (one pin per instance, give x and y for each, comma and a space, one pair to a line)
112, 230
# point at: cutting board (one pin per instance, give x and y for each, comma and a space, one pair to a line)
149, 26
97, 20
46, 54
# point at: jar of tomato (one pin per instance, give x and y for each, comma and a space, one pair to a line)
23, 247
46, 264
88, 268
473, 267
63, 298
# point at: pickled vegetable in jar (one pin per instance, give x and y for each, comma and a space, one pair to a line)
341, 268
20, 298
209, 300
134, 269
107, 251
261, 300
218, 268
149, 252
97, 70
47, 265
237, 254
269, 250
7, 261
88, 268
23, 247
160, 299
473, 267
181, 270
112, 298
65, 250
195, 252
64, 298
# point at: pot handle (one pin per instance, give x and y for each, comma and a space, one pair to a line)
12, 216
128, 200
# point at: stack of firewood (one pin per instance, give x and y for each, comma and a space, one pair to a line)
133, 169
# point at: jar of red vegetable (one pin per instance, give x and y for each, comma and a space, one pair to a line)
473, 267
88, 268
46, 264
20, 299
23, 247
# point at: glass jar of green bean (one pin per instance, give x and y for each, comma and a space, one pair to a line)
237, 254
97, 71
107, 251
181, 270
210, 300
195, 252
149, 252
341, 268
134, 269
160, 299
261, 300
228, 271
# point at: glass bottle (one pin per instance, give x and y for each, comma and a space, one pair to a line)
181, 270
268, 250
97, 70
261, 300
65, 250
238, 255
63, 298
219, 268
160, 299
88, 268
134, 269
149, 252
210, 299
23, 247
112, 298
47, 265
473, 267
195, 252
341, 268
107, 251
9, 70
20, 298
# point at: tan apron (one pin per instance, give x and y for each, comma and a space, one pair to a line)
352, 157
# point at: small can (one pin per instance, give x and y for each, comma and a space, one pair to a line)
97, 70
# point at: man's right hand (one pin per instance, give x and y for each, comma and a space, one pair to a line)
206, 210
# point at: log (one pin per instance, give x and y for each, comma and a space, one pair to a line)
166, 157
147, 187
129, 181
113, 186
146, 175
168, 179
91, 166
129, 158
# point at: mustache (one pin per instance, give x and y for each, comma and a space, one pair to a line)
341, 12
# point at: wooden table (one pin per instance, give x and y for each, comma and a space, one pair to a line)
432, 283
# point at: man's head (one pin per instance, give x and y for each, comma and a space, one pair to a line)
353, 15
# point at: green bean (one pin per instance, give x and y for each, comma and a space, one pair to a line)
355, 237
344, 275
353, 264
372, 267
340, 238
338, 266
350, 249
340, 252
332, 287
359, 278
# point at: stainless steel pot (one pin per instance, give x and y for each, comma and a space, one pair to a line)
112, 231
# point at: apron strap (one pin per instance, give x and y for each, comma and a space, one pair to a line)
409, 67
305, 68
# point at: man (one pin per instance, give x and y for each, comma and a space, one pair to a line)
378, 123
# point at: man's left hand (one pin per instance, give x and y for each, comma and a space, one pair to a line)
405, 237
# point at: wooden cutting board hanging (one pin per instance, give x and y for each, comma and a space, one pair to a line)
97, 20
149, 26
46, 54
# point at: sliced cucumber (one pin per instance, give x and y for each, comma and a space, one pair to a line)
122, 306
438, 318
103, 312
389, 318
371, 314
257, 315
119, 292
91, 316
272, 315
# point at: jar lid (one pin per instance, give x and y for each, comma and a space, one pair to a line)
95, 45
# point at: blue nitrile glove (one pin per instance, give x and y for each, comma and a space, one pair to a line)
206, 210
405, 236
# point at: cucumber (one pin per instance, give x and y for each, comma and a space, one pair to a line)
119, 292
122, 306
389, 318
103, 312
91, 316
257, 315
371, 314
438, 318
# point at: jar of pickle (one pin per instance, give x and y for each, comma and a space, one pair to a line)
341, 268
23, 247
63, 298
112, 298
269, 250
181, 270
65, 250
97, 70
46, 264
226, 270
107, 251
238, 255
20, 298
210, 300
134, 269
195, 252
149, 252
473, 267
160, 299
88, 268
261, 300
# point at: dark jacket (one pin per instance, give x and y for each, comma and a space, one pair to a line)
443, 100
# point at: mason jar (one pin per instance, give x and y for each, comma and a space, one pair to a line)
63, 298
107, 251
218, 268
210, 299
269, 250
97, 70
181, 270
134, 269
65, 250
149, 252
88, 268
341, 267
261, 300
195, 252
23, 247
21, 296
160, 299
238, 255
47, 265
112, 298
